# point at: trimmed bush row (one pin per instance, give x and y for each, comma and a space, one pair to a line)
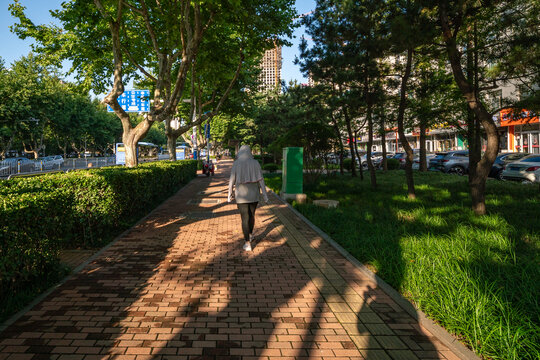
270, 167
40, 215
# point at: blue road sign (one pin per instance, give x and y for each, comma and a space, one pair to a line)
134, 101
207, 130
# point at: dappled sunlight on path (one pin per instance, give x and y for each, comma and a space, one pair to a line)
179, 286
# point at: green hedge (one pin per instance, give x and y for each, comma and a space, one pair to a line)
40, 215
392, 164
270, 167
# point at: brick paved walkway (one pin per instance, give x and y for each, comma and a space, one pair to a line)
179, 286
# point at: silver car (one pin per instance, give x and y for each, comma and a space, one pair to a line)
416, 162
525, 170
16, 165
49, 162
455, 162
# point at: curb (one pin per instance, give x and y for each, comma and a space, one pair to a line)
40, 298
438, 331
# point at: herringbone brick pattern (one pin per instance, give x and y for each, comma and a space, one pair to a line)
179, 286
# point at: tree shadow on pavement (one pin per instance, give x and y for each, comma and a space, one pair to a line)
179, 284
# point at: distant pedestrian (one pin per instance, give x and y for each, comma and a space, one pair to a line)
247, 180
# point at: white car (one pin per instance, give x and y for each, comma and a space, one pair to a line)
525, 170
49, 162
57, 161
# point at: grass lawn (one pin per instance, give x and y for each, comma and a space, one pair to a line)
479, 277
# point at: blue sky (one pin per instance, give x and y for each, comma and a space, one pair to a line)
38, 12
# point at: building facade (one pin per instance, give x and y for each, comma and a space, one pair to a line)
270, 76
519, 132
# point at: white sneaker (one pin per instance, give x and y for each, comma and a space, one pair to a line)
247, 246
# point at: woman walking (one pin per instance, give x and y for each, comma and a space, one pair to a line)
247, 180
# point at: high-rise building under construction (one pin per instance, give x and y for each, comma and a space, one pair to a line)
270, 77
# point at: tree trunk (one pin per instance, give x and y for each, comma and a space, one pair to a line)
171, 145
477, 177
360, 169
373, 176
341, 148
131, 154
401, 128
6, 147
384, 163
33, 150
131, 138
351, 145
423, 156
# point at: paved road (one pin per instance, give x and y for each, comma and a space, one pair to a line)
179, 286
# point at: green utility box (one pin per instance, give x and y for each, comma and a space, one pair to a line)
293, 170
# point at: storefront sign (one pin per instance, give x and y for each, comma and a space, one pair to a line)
510, 117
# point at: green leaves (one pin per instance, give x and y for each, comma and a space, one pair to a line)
39, 110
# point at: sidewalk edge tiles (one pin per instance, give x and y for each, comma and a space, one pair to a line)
438, 331
40, 298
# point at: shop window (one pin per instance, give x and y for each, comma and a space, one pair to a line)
503, 141
495, 99
524, 92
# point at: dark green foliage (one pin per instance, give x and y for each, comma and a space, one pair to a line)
41, 215
265, 158
392, 164
313, 137
270, 167
347, 164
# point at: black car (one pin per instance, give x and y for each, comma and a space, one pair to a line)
501, 161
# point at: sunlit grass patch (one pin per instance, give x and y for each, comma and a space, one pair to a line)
477, 276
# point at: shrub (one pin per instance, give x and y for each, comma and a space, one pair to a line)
40, 215
332, 166
392, 164
270, 167
347, 164
265, 158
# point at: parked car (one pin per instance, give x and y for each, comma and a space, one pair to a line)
416, 161
57, 161
526, 170
377, 162
332, 158
16, 164
455, 162
501, 161
376, 155
49, 162
402, 157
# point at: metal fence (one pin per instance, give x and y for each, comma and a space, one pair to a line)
9, 168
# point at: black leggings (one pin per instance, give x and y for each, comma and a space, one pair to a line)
247, 213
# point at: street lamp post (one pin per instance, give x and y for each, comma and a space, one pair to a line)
193, 118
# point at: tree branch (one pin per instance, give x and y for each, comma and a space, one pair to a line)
133, 8
149, 27
211, 100
211, 114
151, 77
102, 10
